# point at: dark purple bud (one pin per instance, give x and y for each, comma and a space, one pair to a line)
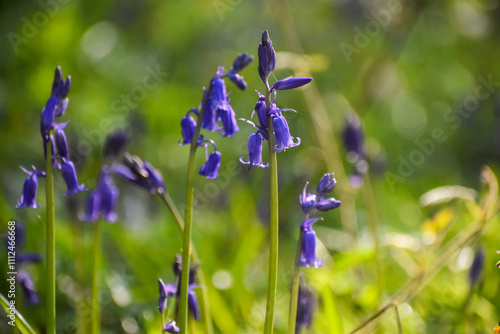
193, 304
48, 114
476, 267
30, 188
290, 83
209, 117
61, 143
305, 307
307, 200
308, 252
171, 327
254, 152
132, 170
93, 207
353, 138
211, 167
69, 174
327, 204
109, 195
242, 61
261, 111
166, 291
326, 185
60, 87
188, 126
28, 288
218, 93
115, 144
267, 57
283, 138
226, 115
238, 80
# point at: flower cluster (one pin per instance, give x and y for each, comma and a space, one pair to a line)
53, 132
311, 203
266, 108
174, 290
216, 113
102, 200
354, 143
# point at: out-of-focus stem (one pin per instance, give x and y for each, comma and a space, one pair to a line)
204, 304
294, 297
96, 310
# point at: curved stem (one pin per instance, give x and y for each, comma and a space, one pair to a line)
188, 220
96, 312
204, 305
51, 245
294, 298
273, 226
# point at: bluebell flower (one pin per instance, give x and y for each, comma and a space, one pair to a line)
308, 251
60, 87
307, 200
166, 291
69, 174
305, 307
211, 167
242, 61
188, 125
238, 80
28, 288
93, 207
326, 185
267, 57
171, 327
282, 132
476, 267
290, 83
254, 152
115, 144
61, 143
226, 115
141, 173
218, 93
209, 119
327, 204
48, 115
57, 103
109, 195
30, 188
261, 111
353, 138
193, 303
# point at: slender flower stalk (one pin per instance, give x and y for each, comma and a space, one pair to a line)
51, 244
188, 222
96, 312
273, 225
294, 297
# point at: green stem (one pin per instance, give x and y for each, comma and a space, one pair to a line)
398, 320
294, 298
204, 305
372, 218
188, 221
96, 311
273, 226
21, 323
51, 245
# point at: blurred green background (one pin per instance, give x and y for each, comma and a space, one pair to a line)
407, 68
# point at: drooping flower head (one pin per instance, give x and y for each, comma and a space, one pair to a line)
254, 152
308, 251
69, 174
282, 132
30, 188
211, 167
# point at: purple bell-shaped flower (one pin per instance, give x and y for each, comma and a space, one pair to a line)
211, 167
254, 152
69, 174
30, 188
308, 252
282, 132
